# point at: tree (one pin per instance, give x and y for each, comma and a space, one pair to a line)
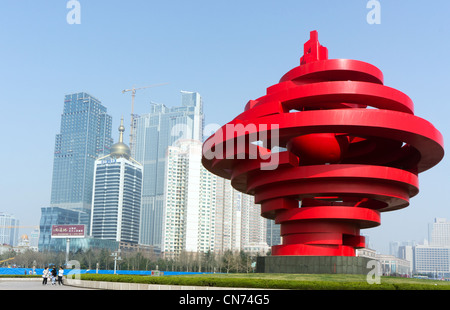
228, 260
104, 259
209, 261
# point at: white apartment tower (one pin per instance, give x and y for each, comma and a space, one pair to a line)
116, 202
190, 191
203, 212
439, 232
239, 224
227, 218
253, 226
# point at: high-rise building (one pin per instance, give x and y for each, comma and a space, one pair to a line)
189, 217
9, 230
153, 133
116, 198
203, 212
393, 248
85, 135
406, 252
34, 238
227, 217
239, 224
439, 232
252, 226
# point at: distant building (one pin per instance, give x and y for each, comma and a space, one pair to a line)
406, 252
439, 232
256, 248
116, 201
24, 245
392, 265
34, 238
389, 265
393, 248
153, 133
9, 230
147, 251
273, 233
366, 252
432, 260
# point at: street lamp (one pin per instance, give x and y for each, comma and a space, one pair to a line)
116, 258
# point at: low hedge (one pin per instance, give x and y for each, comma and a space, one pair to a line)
19, 276
243, 282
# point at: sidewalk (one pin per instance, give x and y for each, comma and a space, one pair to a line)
104, 285
27, 284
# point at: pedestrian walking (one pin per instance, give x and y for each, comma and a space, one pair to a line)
60, 275
54, 276
45, 276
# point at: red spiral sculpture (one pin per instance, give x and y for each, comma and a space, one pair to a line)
349, 149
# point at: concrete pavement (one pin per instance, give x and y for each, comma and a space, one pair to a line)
35, 284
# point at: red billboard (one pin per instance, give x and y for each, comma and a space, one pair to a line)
68, 231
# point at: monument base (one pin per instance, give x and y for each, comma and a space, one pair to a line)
313, 264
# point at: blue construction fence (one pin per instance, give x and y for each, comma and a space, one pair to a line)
39, 271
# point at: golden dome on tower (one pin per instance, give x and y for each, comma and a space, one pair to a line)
120, 149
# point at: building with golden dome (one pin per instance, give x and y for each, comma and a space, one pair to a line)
116, 201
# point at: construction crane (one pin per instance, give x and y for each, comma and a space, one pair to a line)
5, 260
133, 95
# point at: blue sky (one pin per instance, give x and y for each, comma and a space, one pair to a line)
228, 51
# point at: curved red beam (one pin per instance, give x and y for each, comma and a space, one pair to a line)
349, 148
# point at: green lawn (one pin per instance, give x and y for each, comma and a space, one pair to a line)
281, 281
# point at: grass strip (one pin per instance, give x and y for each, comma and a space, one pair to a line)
332, 282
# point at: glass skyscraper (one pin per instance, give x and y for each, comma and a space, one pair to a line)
84, 136
153, 133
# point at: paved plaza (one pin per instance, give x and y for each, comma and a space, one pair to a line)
35, 284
